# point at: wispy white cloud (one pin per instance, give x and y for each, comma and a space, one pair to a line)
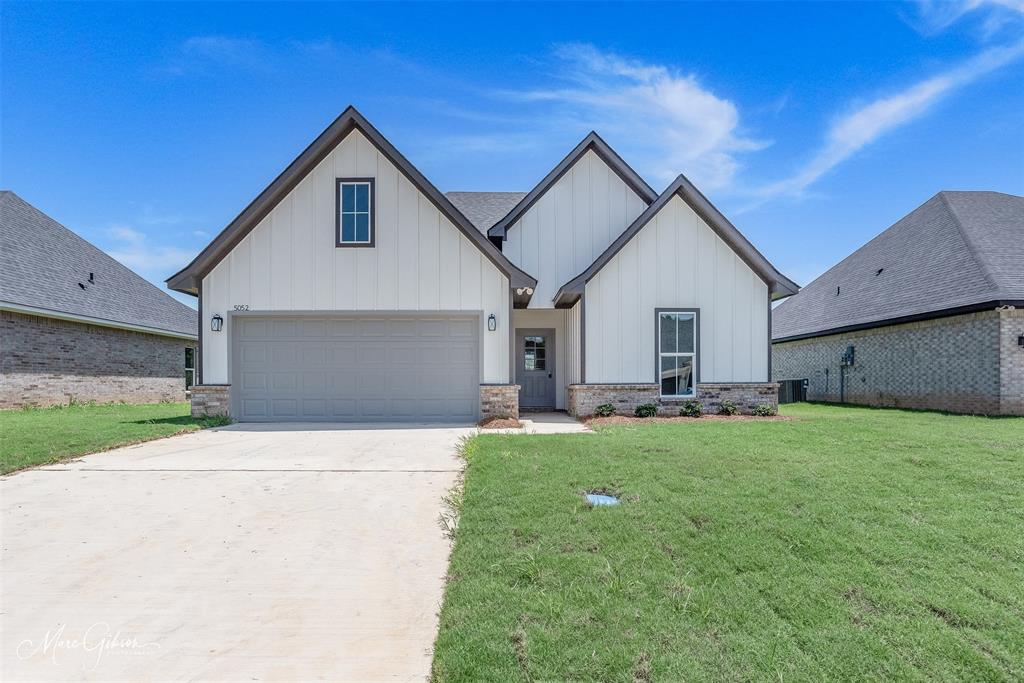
935, 16
672, 120
852, 132
134, 249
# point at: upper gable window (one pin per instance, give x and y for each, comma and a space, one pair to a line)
355, 212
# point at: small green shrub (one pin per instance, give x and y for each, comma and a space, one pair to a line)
763, 410
728, 408
604, 410
692, 409
646, 410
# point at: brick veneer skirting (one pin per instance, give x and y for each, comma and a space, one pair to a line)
211, 400
585, 398
499, 400
964, 363
45, 361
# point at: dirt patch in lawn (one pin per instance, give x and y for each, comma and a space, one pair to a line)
628, 420
499, 423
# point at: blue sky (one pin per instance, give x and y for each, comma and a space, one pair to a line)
147, 128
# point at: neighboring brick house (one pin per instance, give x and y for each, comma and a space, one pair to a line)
77, 326
928, 314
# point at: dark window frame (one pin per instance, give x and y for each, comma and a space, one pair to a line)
338, 182
658, 312
188, 369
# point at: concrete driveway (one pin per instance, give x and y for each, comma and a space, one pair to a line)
247, 553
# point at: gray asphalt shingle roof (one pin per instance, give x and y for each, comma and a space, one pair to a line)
42, 264
957, 249
484, 209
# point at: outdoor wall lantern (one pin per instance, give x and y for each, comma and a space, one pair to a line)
216, 323
492, 323
1020, 340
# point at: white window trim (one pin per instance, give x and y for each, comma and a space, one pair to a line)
658, 355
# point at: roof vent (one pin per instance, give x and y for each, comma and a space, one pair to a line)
837, 290
879, 272
92, 281
81, 285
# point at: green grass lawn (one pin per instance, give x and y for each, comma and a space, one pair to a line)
848, 543
36, 436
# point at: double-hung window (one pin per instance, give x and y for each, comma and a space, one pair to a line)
677, 352
355, 212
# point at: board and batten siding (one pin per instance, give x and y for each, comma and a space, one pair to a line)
570, 225
676, 260
421, 262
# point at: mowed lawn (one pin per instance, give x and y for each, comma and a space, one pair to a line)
37, 436
846, 544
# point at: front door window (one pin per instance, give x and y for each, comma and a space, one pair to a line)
534, 353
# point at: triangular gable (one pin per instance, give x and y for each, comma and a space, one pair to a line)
592, 142
778, 284
187, 280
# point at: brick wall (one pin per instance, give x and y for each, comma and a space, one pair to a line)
499, 400
948, 363
585, 398
1011, 362
44, 361
211, 400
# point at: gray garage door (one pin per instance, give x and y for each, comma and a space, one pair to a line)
356, 369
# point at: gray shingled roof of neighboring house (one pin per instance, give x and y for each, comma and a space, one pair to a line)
956, 251
484, 209
42, 264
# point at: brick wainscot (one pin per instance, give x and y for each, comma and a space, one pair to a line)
499, 400
585, 398
211, 400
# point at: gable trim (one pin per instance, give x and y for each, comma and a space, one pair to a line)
592, 142
778, 284
188, 279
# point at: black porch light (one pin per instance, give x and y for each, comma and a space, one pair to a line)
216, 323
492, 323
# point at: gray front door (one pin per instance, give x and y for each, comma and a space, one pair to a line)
356, 368
535, 368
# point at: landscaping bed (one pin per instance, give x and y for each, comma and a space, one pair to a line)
39, 436
628, 420
843, 544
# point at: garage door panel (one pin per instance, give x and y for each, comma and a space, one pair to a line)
466, 329
314, 408
253, 381
284, 408
284, 382
255, 408
343, 409
339, 355
357, 368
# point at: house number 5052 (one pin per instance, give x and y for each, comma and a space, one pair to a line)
241, 307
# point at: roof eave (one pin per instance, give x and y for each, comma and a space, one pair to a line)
903, 319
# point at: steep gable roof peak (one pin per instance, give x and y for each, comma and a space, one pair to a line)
187, 279
592, 142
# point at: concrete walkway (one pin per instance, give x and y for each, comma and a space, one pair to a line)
247, 553
546, 423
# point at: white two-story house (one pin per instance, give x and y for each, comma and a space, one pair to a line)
351, 289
